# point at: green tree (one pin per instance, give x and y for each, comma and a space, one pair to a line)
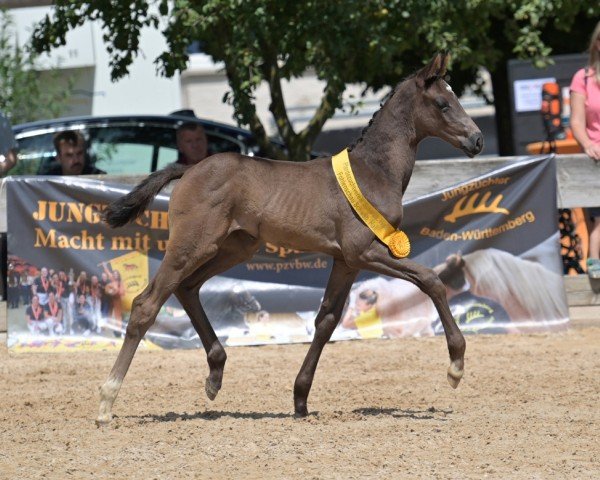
373, 42
26, 94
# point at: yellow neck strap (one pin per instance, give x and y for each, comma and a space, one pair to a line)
396, 240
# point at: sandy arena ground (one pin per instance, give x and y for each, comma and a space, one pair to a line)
528, 407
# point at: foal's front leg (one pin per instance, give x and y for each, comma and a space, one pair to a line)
378, 259
338, 287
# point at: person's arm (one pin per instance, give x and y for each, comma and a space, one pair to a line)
8, 145
107, 271
348, 320
9, 161
590, 148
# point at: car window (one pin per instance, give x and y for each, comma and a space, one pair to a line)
122, 158
222, 143
166, 156
32, 152
217, 143
117, 148
129, 149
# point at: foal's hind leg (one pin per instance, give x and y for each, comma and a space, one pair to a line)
338, 287
237, 248
189, 298
143, 313
183, 256
378, 259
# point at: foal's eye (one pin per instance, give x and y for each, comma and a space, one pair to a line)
442, 104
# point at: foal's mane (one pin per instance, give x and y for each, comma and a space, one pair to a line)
384, 102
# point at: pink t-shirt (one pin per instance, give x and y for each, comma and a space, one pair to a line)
592, 101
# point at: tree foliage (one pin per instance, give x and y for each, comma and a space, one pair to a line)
374, 42
23, 97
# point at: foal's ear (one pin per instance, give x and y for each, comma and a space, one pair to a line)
444, 66
435, 69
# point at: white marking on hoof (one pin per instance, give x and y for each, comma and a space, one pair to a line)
454, 375
108, 394
103, 419
211, 390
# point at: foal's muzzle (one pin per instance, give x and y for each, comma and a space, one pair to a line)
473, 145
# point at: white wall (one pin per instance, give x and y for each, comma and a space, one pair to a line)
84, 58
143, 91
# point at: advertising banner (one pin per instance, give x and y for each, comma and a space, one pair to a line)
493, 241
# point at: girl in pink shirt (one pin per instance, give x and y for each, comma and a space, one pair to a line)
585, 101
585, 123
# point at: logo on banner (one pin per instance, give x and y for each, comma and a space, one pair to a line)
477, 198
467, 206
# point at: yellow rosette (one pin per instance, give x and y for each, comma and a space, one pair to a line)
399, 244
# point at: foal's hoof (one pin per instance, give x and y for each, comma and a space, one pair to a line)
211, 390
454, 375
103, 419
301, 412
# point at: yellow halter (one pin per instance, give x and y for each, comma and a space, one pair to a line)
396, 240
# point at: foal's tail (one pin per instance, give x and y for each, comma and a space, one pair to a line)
128, 207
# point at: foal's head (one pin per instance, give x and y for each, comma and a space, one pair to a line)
437, 111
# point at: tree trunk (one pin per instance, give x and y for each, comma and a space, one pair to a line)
298, 150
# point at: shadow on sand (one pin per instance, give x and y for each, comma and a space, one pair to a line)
431, 413
208, 415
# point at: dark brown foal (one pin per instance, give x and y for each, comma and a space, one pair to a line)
225, 206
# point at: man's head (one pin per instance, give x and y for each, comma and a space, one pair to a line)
70, 152
192, 143
366, 300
